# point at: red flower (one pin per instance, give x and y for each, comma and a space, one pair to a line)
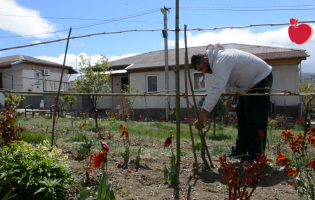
123, 131
96, 131
287, 134
22, 129
168, 141
102, 156
116, 114
260, 135
311, 163
9, 116
282, 160
105, 147
292, 172
83, 125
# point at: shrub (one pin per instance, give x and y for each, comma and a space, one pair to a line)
34, 173
9, 131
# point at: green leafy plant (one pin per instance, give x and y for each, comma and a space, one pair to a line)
307, 87
34, 173
279, 121
71, 100
94, 79
138, 158
126, 156
104, 192
13, 100
198, 145
166, 174
173, 174
86, 146
130, 99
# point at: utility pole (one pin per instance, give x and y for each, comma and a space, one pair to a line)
164, 11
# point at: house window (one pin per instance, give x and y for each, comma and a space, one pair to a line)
199, 81
36, 78
152, 83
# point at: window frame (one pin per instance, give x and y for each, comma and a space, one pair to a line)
37, 79
194, 86
147, 84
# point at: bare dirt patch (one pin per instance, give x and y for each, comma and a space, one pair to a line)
146, 182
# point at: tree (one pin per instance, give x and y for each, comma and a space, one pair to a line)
93, 79
307, 87
13, 100
71, 100
222, 111
130, 99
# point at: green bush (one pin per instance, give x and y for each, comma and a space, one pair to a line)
34, 173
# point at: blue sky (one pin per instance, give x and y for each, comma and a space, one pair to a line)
32, 21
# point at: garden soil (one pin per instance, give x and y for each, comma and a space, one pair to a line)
147, 181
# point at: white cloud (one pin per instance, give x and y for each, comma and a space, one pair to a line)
35, 42
35, 26
277, 38
80, 44
73, 60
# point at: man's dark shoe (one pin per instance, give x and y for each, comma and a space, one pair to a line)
249, 159
236, 153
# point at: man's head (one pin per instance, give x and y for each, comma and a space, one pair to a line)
200, 62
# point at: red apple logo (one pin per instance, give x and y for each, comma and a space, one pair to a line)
301, 33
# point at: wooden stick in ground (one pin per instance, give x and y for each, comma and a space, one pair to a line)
188, 112
57, 96
201, 135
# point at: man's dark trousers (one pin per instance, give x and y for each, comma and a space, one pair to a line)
252, 115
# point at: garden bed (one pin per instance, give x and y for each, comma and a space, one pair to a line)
146, 181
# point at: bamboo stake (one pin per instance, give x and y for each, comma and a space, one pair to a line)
177, 86
201, 135
187, 103
57, 97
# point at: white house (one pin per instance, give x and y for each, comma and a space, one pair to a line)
28, 74
147, 73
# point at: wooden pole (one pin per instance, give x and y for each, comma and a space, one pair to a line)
177, 86
187, 103
57, 96
201, 134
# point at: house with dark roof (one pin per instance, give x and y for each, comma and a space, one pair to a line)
28, 74
147, 73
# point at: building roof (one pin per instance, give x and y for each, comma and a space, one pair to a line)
155, 59
17, 59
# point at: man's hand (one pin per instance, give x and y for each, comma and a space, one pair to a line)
202, 119
229, 106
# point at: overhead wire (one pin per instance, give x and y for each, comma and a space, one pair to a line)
152, 11
154, 30
94, 24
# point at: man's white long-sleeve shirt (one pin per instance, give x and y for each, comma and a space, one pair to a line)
233, 70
